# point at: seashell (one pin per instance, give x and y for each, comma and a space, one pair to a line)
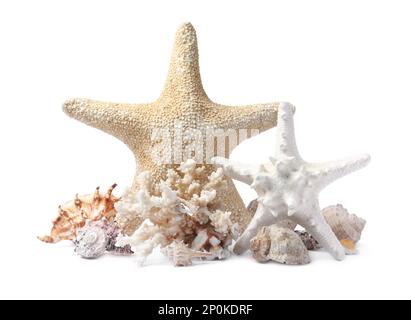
343, 224
74, 214
279, 244
286, 223
91, 241
181, 255
308, 240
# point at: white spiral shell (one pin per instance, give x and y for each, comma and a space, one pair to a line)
91, 242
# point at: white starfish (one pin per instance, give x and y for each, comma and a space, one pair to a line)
288, 187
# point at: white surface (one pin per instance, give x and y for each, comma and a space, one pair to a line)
333, 60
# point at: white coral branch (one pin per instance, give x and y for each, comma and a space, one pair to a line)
178, 209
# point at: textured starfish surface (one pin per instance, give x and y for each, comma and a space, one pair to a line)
183, 105
288, 187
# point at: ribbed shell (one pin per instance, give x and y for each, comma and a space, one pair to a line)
343, 224
279, 244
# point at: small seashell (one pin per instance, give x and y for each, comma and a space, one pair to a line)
343, 224
91, 241
308, 240
279, 244
181, 255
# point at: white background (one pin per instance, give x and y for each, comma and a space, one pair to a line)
346, 65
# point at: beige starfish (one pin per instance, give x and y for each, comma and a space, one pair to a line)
184, 105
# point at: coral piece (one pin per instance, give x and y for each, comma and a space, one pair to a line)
279, 244
308, 240
181, 255
343, 224
180, 209
221, 221
74, 214
91, 241
97, 237
286, 223
182, 107
288, 187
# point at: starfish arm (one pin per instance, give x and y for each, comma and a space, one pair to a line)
114, 118
184, 80
323, 174
322, 232
286, 144
237, 171
263, 217
260, 117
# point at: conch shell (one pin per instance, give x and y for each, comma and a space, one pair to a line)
279, 244
74, 214
346, 226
